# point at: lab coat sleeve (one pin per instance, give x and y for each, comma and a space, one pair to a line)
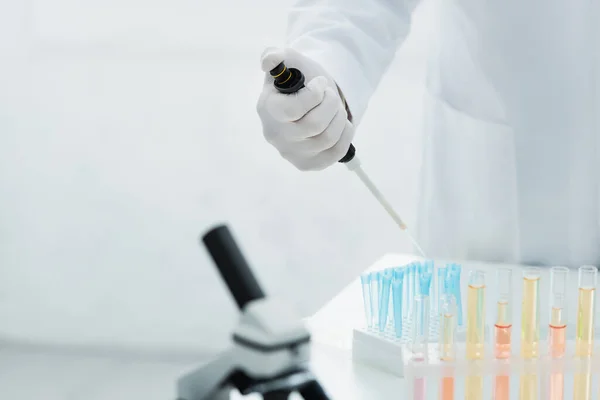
354, 40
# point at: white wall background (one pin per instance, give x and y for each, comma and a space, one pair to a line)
128, 127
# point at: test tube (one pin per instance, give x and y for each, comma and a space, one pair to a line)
502, 330
397, 289
475, 315
559, 277
475, 331
406, 300
584, 334
422, 312
411, 289
390, 314
418, 270
440, 287
557, 332
384, 305
530, 313
503, 326
365, 281
455, 270
584, 337
447, 347
375, 294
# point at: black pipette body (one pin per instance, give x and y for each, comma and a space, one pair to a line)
290, 80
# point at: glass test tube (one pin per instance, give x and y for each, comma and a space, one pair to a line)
375, 294
397, 293
530, 313
384, 305
447, 345
405, 295
475, 331
418, 269
475, 315
559, 277
446, 311
454, 275
584, 337
440, 288
557, 332
503, 326
420, 324
503, 330
390, 319
422, 310
411, 289
365, 281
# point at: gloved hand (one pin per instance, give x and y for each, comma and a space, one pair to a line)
309, 128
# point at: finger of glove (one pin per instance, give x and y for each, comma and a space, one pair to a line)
270, 58
317, 120
338, 151
328, 137
328, 157
317, 131
292, 107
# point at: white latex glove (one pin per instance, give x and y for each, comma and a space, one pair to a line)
309, 128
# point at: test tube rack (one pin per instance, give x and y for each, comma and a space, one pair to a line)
387, 352
390, 352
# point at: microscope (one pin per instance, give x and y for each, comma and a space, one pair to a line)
270, 347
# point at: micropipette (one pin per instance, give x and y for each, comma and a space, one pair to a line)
290, 80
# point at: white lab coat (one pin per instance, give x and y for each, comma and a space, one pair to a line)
511, 167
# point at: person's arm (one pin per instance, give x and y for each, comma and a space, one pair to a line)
354, 40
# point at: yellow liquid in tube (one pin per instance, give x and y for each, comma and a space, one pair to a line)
447, 333
475, 322
585, 323
530, 318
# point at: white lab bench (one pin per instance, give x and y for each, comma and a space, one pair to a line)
27, 373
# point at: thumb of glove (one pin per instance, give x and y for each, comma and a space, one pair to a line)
271, 58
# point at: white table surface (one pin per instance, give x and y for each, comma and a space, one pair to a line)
28, 373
